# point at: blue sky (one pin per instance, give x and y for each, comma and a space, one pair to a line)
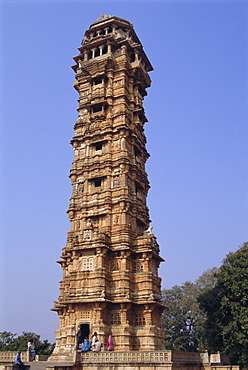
196, 135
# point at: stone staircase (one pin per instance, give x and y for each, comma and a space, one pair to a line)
48, 365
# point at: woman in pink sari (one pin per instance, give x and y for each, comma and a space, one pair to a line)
110, 345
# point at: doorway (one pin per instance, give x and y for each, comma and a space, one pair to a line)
85, 331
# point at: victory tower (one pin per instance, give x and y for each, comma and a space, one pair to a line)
110, 263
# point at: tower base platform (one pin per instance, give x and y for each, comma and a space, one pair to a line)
146, 360
132, 360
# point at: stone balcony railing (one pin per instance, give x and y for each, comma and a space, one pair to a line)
125, 357
161, 357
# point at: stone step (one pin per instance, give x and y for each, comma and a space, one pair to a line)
43, 365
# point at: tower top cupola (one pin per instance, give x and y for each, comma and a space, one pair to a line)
111, 30
106, 18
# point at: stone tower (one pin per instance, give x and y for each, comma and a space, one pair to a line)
110, 263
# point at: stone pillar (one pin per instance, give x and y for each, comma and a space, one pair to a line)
109, 48
136, 53
146, 260
109, 90
148, 314
123, 50
85, 54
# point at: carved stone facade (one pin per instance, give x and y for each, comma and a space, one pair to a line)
110, 263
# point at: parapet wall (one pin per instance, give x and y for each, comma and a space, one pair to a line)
127, 360
9, 356
151, 360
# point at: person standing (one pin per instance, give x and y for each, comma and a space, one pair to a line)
31, 349
78, 336
110, 345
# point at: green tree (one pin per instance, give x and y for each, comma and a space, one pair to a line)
9, 342
178, 321
183, 319
226, 307
21, 342
6, 338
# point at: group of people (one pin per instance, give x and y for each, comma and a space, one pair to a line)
95, 345
18, 361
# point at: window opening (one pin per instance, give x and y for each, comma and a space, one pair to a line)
97, 53
98, 183
137, 152
138, 266
139, 319
138, 188
84, 315
97, 80
114, 318
132, 57
105, 50
97, 108
88, 264
98, 146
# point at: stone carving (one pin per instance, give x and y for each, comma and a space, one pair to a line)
127, 296
116, 219
89, 223
103, 18
87, 235
148, 231
80, 187
120, 35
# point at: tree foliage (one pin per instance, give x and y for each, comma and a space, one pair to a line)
183, 318
12, 342
212, 313
226, 308
6, 338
